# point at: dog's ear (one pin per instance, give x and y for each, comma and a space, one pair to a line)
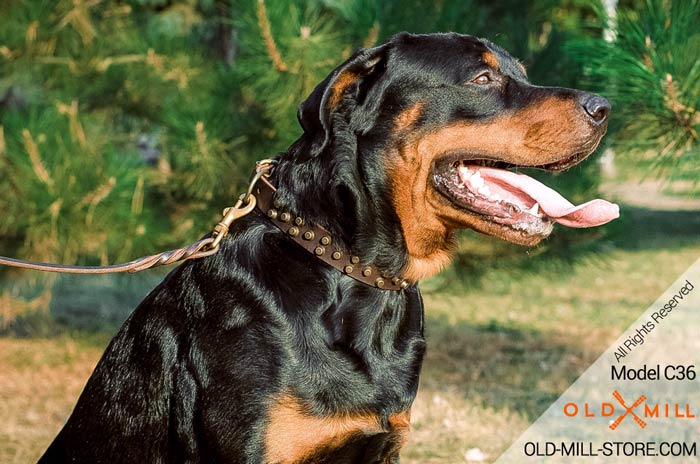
354, 77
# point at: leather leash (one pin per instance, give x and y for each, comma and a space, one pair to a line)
196, 250
313, 238
199, 249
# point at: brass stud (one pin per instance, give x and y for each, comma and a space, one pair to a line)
299, 221
348, 269
285, 217
354, 259
309, 235
379, 283
367, 272
272, 213
337, 255
319, 250
325, 240
396, 280
293, 231
404, 284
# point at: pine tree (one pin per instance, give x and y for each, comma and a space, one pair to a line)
651, 72
125, 127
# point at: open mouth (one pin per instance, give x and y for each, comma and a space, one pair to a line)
515, 201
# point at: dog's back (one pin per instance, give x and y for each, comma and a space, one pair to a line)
224, 362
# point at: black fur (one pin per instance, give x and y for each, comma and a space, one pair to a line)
190, 375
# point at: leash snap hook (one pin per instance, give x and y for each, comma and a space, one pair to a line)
243, 206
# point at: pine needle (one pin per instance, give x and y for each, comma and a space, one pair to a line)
137, 198
372, 36
104, 64
201, 139
35, 158
265, 30
76, 129
79, 18
100, 195
30, 35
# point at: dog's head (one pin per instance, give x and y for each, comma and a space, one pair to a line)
418, 137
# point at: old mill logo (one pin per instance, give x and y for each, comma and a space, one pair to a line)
637, 410
628, 410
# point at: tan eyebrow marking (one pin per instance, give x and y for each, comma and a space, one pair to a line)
491, 60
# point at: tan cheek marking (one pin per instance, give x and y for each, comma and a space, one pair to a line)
292, 433
342, 82
539, 134
428, 240
400, 423
408, 117
423, 268
491, 60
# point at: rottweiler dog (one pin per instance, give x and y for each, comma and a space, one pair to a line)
264, 353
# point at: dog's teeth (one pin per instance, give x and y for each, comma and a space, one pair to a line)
495, 197
534, 210
484, 190
476, 181
465, 172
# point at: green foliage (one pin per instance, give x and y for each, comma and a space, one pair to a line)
87, 202
128, 126
651, 73
286, 48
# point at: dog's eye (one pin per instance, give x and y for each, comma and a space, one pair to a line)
483, 78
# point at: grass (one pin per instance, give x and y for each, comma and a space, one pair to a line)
497, 357
502, 342
678, 175
39, 384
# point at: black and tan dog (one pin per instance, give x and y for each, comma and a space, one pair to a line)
265, 353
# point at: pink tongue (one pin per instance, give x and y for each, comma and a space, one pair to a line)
556, 207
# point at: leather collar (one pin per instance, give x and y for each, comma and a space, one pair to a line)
319, 242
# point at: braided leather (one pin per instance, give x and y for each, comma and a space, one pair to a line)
196, 250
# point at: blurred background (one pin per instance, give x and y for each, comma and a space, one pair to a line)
126, 126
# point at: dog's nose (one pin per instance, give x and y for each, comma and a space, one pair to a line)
596, 107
